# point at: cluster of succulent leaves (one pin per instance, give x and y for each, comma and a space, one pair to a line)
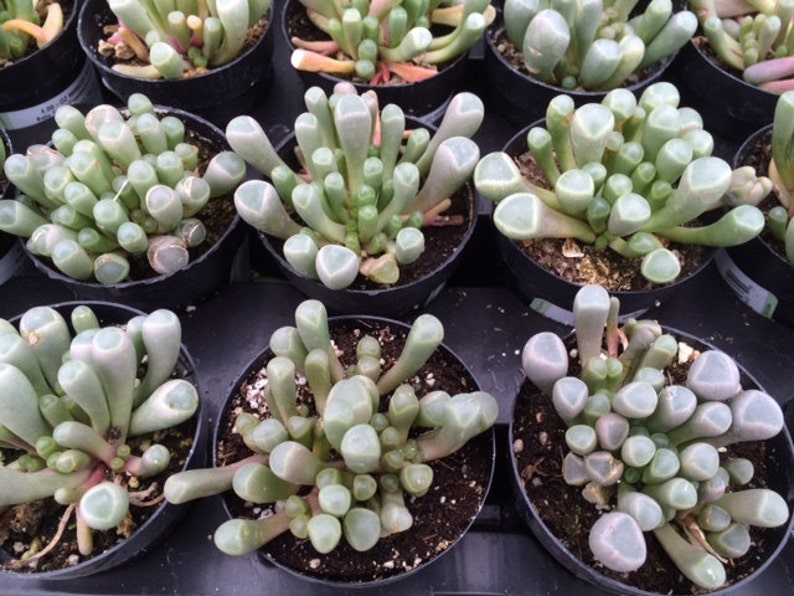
171, 38
594, 45
21, 25
625, 174
73, 393
781, 172
111, 187
369, 183
343, 449
649, 450
753, 37
381, 38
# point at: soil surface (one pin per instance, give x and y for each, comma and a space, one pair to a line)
538, 449
582, 263
442, 241
459, 488
30, 527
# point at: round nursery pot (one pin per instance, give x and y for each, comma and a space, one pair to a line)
210, 263
730, 107
156, 524
419, 282
222, 92
520, 98
57, 74
536, 455
435, 530
759, 272
552, 294
425, 99
12, 254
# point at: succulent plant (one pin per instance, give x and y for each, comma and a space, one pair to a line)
343, 449
631, 175
110, 188
368, 187
648, 449
75, 398
753, 38
381, 38
21, 25
781, 172
174, 38
594, 45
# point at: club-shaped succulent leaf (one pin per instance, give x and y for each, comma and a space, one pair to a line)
356, 440
650, 451
72, 381
369, 186
114, 188
631, 174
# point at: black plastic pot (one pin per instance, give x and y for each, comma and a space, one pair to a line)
391, 301
425, 99
729, 106
166, 516
234, 88
520, 98
183, 287
32, 88
315, 578
759, 275
550, 294
779, 473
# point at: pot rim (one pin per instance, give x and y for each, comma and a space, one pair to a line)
195, 457
448, 76
68, 28
92, 8
446, 267
592, 575
657, 292
256, 363
44, 264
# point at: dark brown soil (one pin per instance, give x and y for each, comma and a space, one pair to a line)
23, 525
441, 242
440, 517
702, 43
539, 447
587, 264
66, 7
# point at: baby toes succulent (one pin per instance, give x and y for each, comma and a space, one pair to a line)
74, 397
112, 187
344, 464
650, 448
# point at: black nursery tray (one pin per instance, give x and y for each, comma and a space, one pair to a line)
486, 325
499, 556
